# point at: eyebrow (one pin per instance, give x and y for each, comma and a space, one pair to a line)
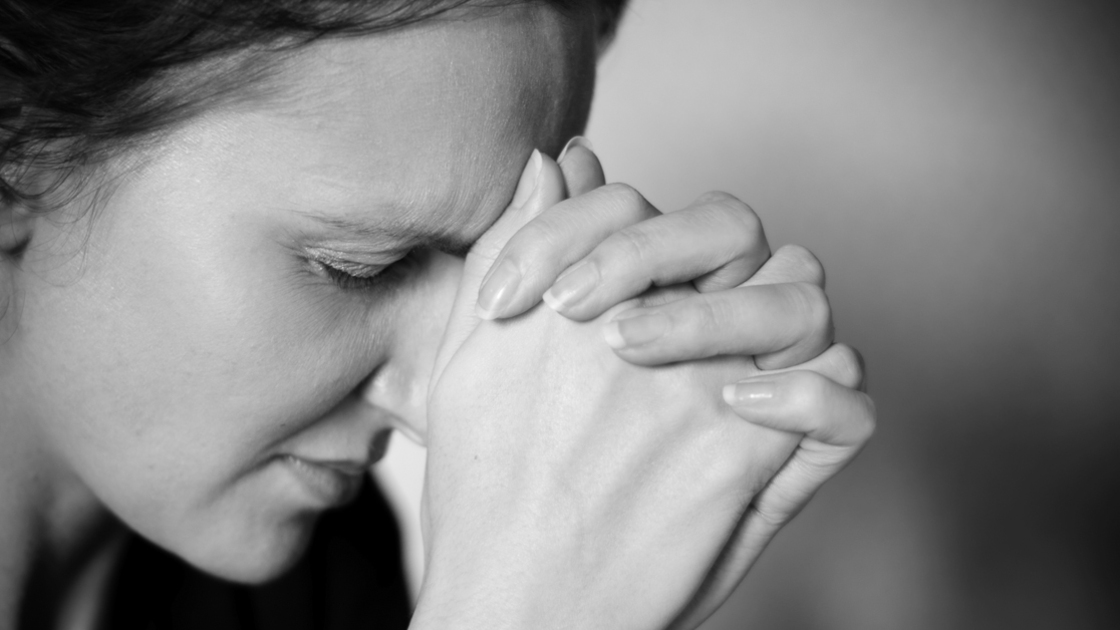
409, 236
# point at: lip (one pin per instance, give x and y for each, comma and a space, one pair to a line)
329, 483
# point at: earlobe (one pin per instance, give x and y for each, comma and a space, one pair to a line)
16, 224
15, 235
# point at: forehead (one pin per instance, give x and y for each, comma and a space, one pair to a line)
425, 128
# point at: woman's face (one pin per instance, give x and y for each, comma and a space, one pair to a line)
191, 354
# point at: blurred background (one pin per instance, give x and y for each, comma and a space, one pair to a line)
956, 166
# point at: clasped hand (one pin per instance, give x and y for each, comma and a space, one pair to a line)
617, 458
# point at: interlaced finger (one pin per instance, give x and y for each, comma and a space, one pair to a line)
716, 243
836, 422
789, 322
552, 241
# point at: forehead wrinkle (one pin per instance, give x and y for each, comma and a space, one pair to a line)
389, 231
481, 166
418, 137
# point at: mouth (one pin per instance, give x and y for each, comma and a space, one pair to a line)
329, 483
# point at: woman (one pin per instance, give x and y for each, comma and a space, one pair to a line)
232, 236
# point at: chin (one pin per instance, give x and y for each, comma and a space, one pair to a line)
256, 555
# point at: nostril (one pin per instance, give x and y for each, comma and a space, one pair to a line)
379, 445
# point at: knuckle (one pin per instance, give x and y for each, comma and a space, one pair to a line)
812, 398
731, 208
812, 302
710, 317
809, 391
849, 365
861, 426
538, 234
770, 517
744, 228
870, 420
809, 395
625, 196
806, 266
631, 245
718, 197
534, 246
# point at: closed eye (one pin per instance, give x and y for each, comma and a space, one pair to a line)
353, 276
349, 281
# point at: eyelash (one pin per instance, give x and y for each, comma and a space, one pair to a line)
350, 282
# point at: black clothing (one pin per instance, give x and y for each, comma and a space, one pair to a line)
350, 578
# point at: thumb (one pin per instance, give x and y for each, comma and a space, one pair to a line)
541, 186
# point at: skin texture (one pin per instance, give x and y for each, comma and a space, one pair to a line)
631, 442
745, 307
654, 469
269, 287
170, 351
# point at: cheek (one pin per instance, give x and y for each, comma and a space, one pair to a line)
157, 332
168, 368
173, 363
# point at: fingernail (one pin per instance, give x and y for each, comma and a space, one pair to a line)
572, 286
636, 330
528, 182
747, 393
576, 141
497, 292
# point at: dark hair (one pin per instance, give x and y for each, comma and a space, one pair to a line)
81, 80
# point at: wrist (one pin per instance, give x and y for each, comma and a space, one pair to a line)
465, 600
491, 585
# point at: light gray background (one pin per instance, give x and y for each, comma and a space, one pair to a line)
956, 166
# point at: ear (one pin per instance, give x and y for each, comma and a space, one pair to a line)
15, 234
16, 223
15, 217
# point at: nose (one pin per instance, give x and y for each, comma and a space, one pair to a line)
402, 394
352, 432
400, 384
